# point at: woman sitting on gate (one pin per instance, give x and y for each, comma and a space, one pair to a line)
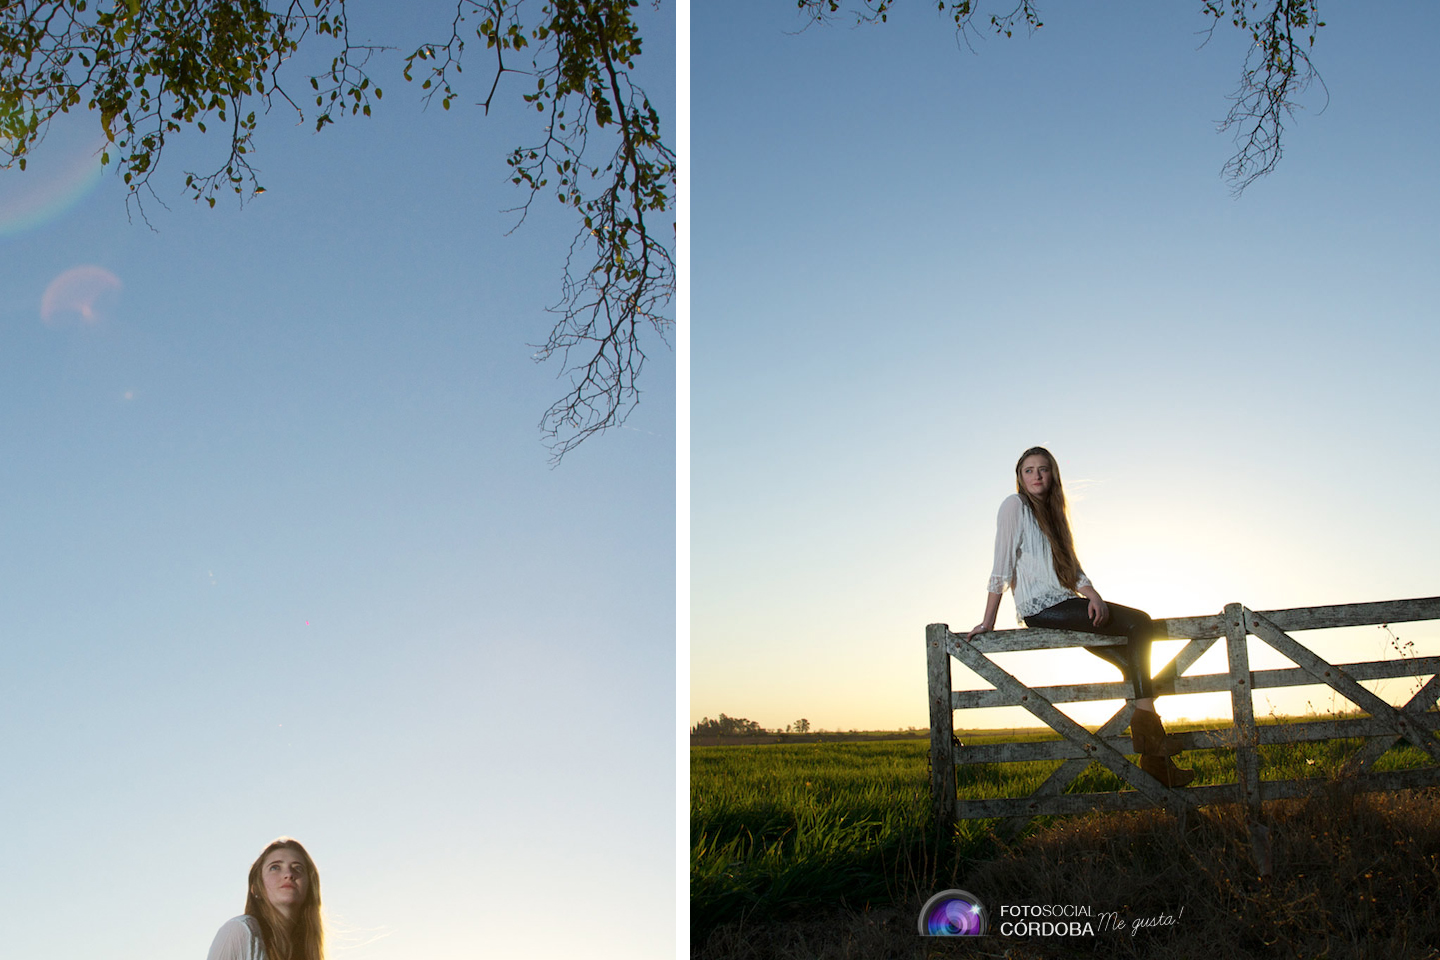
1035, 557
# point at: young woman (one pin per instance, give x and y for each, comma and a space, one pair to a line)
1035, 557
282, 910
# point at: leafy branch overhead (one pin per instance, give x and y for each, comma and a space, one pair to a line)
1277, 68
152, 68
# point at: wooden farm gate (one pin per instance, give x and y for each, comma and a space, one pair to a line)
1384, 727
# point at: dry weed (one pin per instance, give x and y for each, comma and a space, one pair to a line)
1355, 876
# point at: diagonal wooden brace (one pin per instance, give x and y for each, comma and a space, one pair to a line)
1328, 673
1165, 680
1066, 774
1102, 752
1375, 747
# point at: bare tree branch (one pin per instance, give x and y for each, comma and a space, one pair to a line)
1277, 70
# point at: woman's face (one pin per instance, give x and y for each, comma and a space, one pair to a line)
1035, 474
287, 882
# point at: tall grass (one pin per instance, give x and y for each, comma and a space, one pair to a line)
778, 830
784, 826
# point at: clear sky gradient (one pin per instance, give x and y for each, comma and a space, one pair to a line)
912, 261
284, 555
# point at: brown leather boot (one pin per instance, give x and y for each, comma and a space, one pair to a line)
1147, 735
1164, 770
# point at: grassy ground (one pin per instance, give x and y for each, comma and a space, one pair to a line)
822, 850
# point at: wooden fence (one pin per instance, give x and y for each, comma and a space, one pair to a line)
1384, 726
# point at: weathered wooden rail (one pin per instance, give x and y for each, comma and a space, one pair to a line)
1384, 727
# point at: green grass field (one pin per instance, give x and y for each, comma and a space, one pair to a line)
778, 828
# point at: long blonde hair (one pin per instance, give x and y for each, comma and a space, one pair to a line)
299, 938
1053, 517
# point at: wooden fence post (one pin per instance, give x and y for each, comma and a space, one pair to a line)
942, 725
1242, 709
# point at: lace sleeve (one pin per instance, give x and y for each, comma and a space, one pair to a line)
1007, 544
1082, 581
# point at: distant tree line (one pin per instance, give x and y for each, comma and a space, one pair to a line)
726, 727
740, 727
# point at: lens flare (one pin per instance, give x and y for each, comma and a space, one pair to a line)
84, 292
953, 913
58, 175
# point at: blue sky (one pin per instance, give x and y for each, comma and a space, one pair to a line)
914, 260
285, 556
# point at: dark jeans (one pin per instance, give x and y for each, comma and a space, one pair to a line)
1133, 659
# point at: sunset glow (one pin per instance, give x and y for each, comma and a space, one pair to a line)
969, 252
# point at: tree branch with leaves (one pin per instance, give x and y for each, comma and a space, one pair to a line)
152, 68
1276, 72
619, 276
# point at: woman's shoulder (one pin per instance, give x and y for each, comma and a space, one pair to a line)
1015, 514
236, 938
244, 921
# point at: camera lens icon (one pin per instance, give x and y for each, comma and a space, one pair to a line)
953, 913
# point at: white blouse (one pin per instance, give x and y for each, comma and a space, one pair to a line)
1024, 563
238, 939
